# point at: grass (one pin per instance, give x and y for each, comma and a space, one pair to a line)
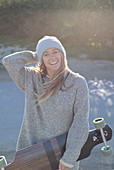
91, 53
7, 41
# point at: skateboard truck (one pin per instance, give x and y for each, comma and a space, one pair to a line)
100, 124
3, 162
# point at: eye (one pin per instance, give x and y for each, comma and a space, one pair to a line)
56, 51
46, 54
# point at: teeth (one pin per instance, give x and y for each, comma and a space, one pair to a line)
54, 62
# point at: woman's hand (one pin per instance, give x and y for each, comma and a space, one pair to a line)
62, 167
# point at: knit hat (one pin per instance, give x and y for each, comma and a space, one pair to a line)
46, 43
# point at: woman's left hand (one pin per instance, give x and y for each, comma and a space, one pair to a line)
62, 167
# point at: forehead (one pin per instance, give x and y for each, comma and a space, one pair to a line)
50, 50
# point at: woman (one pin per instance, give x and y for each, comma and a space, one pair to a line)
56, 99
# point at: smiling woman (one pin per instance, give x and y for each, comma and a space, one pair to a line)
54, 66
52, 60
56, 99
53, 63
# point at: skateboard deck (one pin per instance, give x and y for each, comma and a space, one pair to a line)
46, 155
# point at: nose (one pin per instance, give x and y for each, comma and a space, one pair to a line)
52, 56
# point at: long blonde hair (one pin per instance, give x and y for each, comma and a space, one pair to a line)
50, 88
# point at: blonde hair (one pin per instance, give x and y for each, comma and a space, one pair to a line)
50, 89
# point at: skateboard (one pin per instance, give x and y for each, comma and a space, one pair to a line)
46, 155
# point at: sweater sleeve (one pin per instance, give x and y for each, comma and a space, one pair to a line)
79, 129
15, 65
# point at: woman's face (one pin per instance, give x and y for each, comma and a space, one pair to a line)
52, 60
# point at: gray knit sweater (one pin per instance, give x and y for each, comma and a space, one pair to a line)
67, 111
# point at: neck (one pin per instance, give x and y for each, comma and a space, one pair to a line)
50, 75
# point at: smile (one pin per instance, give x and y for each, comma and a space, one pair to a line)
55, 62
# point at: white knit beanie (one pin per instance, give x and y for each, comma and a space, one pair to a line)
46, 43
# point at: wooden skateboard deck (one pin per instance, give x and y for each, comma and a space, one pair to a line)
46, 155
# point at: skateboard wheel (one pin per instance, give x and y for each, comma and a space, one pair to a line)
106, 151
3, 162
99, 123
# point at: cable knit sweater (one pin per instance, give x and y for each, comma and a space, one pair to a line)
67, 111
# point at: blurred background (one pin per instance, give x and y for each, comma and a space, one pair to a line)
86, 29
